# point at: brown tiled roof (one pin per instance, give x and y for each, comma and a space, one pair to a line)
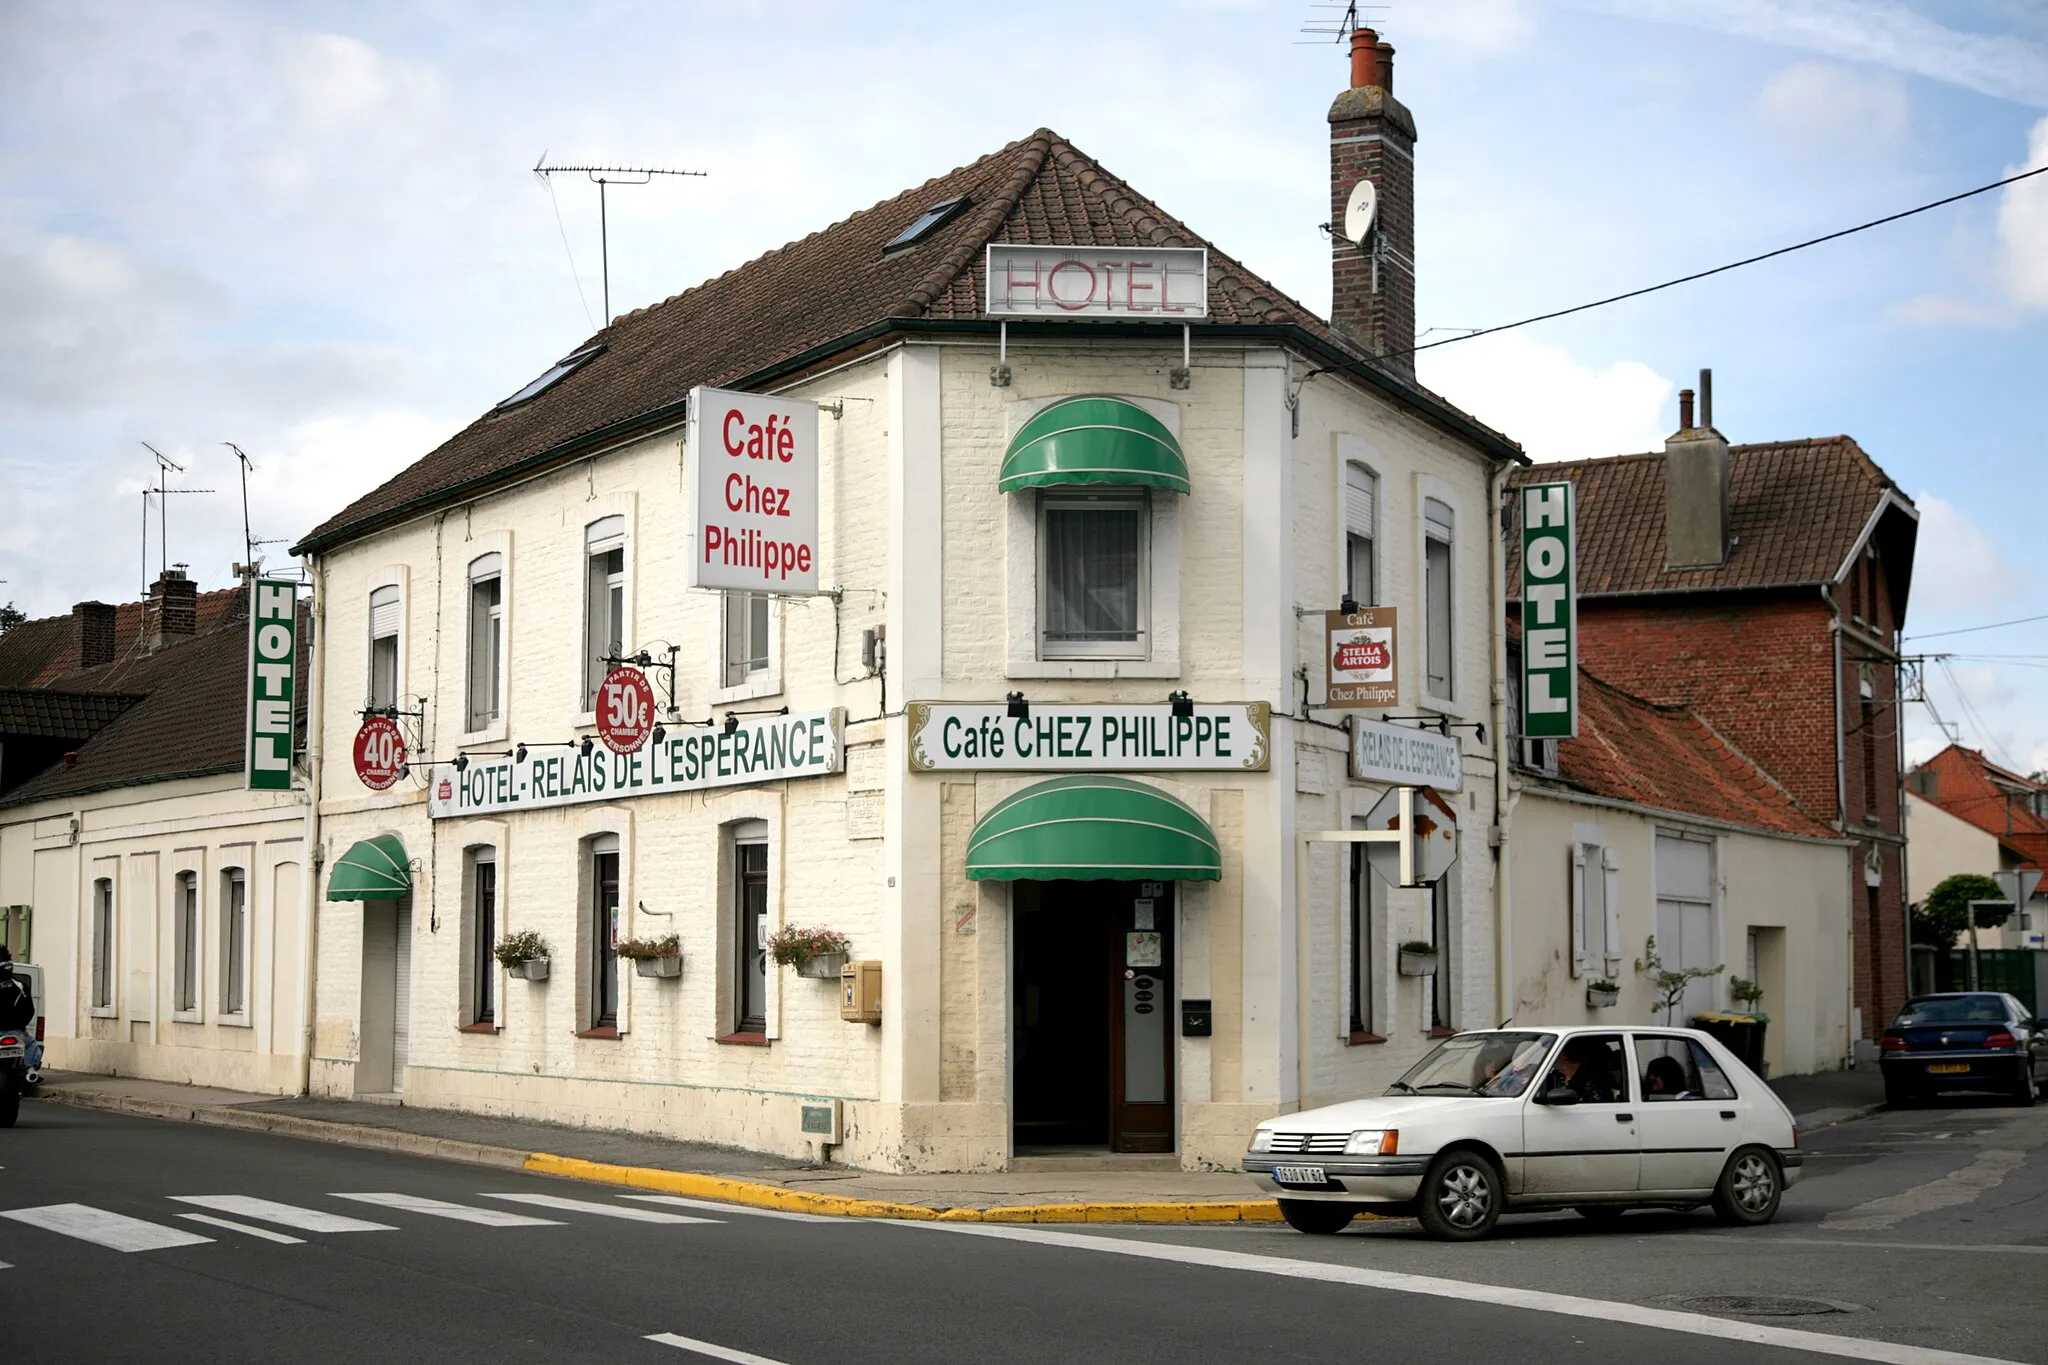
45, 651
1667, 758
48, 714
826, 291
1796, 509
1972, 788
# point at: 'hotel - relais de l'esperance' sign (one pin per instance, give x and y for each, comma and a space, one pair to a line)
766, 749
1063, 737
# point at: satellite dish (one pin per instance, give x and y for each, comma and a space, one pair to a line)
1361, 211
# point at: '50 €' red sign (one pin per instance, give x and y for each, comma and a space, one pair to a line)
625, 709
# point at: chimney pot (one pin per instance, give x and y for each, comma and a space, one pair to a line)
95, 622
1706, 398
1364, 58
172, 607
1685, 409
1385, 52
1372, 138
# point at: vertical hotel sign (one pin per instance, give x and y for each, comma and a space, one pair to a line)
1550, 612
273, 684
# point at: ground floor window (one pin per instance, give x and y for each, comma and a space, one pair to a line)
604, 931
750, 936
234, 941
1364, 932
185, 944
103, 944
1441, 984
483, 921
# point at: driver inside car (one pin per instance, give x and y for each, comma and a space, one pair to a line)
1580, 1069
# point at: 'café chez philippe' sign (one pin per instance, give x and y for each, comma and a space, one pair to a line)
1088, 738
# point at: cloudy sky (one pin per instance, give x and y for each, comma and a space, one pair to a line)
313, 230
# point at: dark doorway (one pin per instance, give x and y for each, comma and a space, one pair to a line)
1094, 1007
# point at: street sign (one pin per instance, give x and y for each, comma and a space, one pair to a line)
1434, 837
2018, 885
1401, 757
1359, 655
1550, 613
379, 752
625, 709
273, 685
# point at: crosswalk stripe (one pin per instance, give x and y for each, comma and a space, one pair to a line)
556, 1201
265, 1233
462, 1213
717, 1207
116, 1230
705, 1348
284, 1215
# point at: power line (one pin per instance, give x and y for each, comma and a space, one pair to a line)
1720, 269
1995, 625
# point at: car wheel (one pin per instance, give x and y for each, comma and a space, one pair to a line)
10, 1105
2024, 1090
1461, 1197
1316, 1215
1750, 1188
1898, 1094
1602, 1215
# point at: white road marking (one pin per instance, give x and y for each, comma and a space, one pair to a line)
462, 1213
1466, 1291
556, 1201
1987, 1172
705, 1348
2003, 1249
116, 1230
717, 1207
232, 1226
284, 1215
5, 1266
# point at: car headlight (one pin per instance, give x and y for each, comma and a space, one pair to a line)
1262, 1140
1373, 1142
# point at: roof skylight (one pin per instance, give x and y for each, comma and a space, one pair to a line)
552, 376
927, 223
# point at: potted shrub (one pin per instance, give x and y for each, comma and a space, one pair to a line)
1602, 995
1418, 958
524, 954
817, 953
1748, 996
654, 956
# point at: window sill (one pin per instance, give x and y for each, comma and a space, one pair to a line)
744, 1039
485, 1027
493, 733
1363, 1040
102, 1012
187, 1017
610, 1031
1093, 668
1441, 1032
234, 1021
1443, 705
767, 685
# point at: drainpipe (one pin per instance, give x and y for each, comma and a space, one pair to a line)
1503, 801
309, 866
1842, 799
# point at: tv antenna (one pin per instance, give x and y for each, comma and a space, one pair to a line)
1338, 21
250, 540
605, 176
164, 465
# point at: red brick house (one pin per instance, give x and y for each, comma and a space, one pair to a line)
1763, 587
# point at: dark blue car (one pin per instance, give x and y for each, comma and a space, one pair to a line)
1963, 1040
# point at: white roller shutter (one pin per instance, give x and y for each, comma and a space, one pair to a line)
383, 613
1361, 497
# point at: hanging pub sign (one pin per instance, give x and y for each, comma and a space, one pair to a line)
1085, 737
625, 710
1550, 612
379, 753
753, 464
273, 684
758, 749
1162, 283
1359, 651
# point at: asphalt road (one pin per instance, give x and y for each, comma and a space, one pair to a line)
548, 1281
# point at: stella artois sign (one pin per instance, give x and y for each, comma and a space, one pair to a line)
1360, 654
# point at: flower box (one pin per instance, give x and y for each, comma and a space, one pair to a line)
1418, 962
659, 966
815, 953
1602, 997
531, 969
823, 967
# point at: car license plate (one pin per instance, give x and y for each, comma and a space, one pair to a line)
1949, 1068
1299, 1175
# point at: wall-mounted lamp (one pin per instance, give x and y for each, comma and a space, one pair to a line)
583, 747
732, 723
461, 763
1019, 708
1349, 605
660, 733
1183, 705
519, 754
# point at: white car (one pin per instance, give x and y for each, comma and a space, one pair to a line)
1622, 1117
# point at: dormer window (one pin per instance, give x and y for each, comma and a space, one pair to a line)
926, 223
552, 376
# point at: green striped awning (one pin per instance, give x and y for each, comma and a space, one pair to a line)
1090, 827
1094, 439
374, 870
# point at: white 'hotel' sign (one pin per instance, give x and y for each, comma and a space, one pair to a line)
1156, 284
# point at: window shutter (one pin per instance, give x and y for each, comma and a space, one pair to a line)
1579, 957
1610, 866
383, 613
1361, 496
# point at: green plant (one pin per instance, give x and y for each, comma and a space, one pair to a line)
793, 947
633, 949
1603, 984
523, 946
1418, 946
1670, 986
1945, 915
1745, 992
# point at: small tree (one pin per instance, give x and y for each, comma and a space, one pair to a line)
10, 617
1669, 986
1945, 915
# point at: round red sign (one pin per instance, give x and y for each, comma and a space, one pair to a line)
625, 709
380, 752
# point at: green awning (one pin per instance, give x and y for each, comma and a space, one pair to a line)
1094, 439
1093, 827
373, 870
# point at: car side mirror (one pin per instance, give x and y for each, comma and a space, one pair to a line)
1558, 1094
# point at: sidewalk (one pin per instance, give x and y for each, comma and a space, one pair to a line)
1831, 1097
1098, 1193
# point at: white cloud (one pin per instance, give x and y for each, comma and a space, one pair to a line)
2023, 226
1487, 25
1557, 407
1939, 310
1825, 109
1956, 566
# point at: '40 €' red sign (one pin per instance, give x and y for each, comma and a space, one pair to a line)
380, 752
625, 709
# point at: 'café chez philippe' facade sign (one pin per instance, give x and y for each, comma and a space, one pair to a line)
1060, 737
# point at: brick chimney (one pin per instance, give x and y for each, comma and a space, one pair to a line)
1372, 137
95, 622
172, 608
1696, 486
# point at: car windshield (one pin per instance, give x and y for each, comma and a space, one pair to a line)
1489, 1065
1953, 1009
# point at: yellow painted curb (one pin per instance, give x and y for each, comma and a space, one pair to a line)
758, 1195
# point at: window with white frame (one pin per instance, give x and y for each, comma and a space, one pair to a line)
1443, 982
1361, 535
1537, 755
1686, 934
604, 601
1094, 557
1596, 911
746, 650
1367, 906
384, 612
185, 944
234, 941
486, 641
1438, 535
103, 943
604, 931
483, 935
750, 927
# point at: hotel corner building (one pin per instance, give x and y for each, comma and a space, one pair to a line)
1071, 460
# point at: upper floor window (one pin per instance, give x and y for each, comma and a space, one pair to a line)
1361, 519
604, 601
384, 648
746, 636
1539, 755
1438, 527
1093, 560
486, 640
